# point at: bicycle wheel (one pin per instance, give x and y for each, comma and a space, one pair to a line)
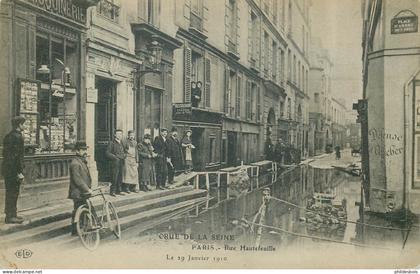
111, 219
87, 228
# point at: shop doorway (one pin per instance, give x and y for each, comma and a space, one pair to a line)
232, 150
199, 162
105, 121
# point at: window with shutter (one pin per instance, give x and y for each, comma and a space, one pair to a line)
207, 85
248, 106
258, 104
227, 92
187, 75
238, 97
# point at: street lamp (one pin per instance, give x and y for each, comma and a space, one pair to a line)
154, 57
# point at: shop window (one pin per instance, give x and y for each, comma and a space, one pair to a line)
212, 149
56, 61
152, 111
224, 150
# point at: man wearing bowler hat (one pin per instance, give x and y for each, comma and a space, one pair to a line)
80, 180
162, 160
12, 168
116, 153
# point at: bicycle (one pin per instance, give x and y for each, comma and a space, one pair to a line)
89, 224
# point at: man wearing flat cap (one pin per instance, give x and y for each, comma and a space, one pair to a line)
80, 180
12, 168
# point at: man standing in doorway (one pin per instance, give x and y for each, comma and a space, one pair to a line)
115, 152
161, 149
12, 168
80, 181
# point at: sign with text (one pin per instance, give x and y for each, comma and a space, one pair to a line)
406, 24
92, 95
65, 8
182, 111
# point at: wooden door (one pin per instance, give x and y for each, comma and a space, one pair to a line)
104, 125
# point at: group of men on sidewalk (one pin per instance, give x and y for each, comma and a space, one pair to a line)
157, 162
146, 163
281, 152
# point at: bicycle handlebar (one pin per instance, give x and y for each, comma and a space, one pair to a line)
98, 188
98, 191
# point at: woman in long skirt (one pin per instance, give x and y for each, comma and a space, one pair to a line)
147, 167
188, 147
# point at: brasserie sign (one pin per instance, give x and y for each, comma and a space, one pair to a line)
406, 24
182, 111
64, 8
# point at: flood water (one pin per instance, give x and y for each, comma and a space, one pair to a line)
225, 221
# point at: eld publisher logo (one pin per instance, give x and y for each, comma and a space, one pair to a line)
23, 253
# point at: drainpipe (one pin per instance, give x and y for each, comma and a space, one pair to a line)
406, 134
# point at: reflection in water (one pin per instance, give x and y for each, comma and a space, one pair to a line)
230, 213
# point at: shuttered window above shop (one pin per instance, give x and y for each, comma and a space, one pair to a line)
187, 75
207, 84
238, 97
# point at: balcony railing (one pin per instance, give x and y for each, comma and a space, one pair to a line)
109, 10
196, 21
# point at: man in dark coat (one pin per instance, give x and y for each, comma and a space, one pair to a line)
80, 181
12, 168
162, 159
195, 93
116, 153
175, 155
269, 149
279, 150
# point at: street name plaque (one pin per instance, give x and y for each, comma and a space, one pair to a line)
406, 24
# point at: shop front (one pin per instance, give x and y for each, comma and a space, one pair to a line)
206, 126
41, 79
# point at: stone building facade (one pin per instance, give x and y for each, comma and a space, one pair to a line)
388, 111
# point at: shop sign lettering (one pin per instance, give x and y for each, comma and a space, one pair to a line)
380, 134
379, 147
65, 8
378, 150
182, 111
407, 24
58, 93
